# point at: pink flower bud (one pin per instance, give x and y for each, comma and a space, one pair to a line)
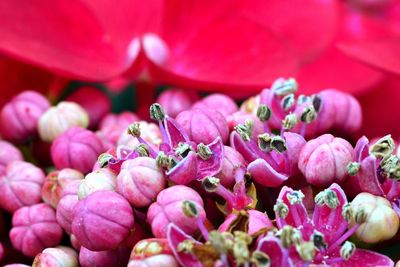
175, 101
169, 208
257, 221
150, 132
102, 220
17, 265
232, 162
56, 257
203, 125
381, 223
223, 103
20, 185
153, 252
8, 153
77, 148
324, 160
34, 229
59, 119
140, 180
65, 211
94, 101
102, 179
19, 117
1, 251
117, 258
113, 125
55, 183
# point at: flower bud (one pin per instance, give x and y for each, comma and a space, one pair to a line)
223, 103
380, 222
102, 179
57, 120
152, 252
56, 257
34, 229
114, 125
118, 257
150, 132
19, 117
8, 153
175, 101
263, 113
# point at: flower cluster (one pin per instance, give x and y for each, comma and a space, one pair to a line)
211, 184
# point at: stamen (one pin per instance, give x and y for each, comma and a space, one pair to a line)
289, 236
143, 150
287, 102
295, 197
281, 209
103, 159
134, 130
190, 210
290, 121
317, 102
319, 240
353, 168
285, 87
162, 160
241, 252
319, 199
245, 130
204, 151
347, 212
264, 141
217, 240
186, 246
383, 147
308, 115
347, 250
301, 99
306, 251
212, 184
260, 259
331, 199
264, 113
157, 112
389, 164
360, 216
278, 144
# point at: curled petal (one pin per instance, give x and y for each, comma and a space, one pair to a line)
295, 143
361, 149
175, 133
185, 171
213, 165
242, 147
271, 246
175, 236
263, 173
367, 176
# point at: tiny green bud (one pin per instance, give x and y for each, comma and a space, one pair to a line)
204, 151
347, 250
308, 115
263, 112
260, 259
353, 168
157, 112
189, 209
134, 129
287, 102
278, 144
210, 183
103, 159
290, 121
383, 147
281, 209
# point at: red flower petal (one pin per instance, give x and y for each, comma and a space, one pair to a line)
310, 30
382, 54
88, 40
228, 53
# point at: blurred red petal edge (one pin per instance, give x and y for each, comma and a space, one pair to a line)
310, 30
230, 53
335, 70
64, 37
381, 54
16, 76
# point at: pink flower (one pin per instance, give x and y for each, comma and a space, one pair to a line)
117, 257
175, 101
8, 153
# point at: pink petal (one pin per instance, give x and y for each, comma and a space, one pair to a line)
364, 257
185, 171
74, 38
382, 54
215, 47
241, 146
361, 149
309, 30
176, 236
264, 174
175, 133
367, 177
271, 246
213, 165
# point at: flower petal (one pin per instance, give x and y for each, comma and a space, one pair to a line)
263, 173
213, 165
242, 147
185, 171
367, 176
361, 149
271, 246
364, 257
176, 236
175, 132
